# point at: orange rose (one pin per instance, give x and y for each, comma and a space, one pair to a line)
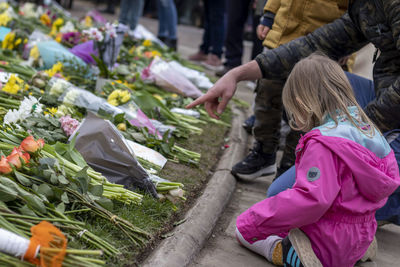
24, 156
30, 145
40, 142
5, 168
14, 159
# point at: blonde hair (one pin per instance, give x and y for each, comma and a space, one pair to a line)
316, 88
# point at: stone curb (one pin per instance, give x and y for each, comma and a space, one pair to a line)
189, 237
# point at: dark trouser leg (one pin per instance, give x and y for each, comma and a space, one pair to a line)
237, 14
289, 156
268, 113
217, 25
204, 47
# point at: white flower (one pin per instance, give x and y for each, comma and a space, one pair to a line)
28, 9
11, 117
68, 27
110, 30
94, 33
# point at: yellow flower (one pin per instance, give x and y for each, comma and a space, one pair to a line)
56, 26
45, 19
132, 50
4, 19
121, 127
59, 38
114, 94
155, 53
42, 92
34, 53
8, 41
25, 40
57, 68
18, 41
158, 97
13, 85
126, 98
174, 96
52, 110
88, 22
147, 42
113, 102
26, 88
4, 5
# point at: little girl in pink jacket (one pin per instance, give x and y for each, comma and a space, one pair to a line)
345, 171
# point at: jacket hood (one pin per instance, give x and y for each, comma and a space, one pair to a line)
376, 177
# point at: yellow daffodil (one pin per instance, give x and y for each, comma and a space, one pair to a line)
88, 22
8, 42
25, 40
118, 97
4, 19
52, 110
147, 42
19, 41
56, 26
57, 68
34, 53
13, 85
26, 88
45, 19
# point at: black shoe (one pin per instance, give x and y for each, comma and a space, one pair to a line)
249, 124
256, 164
222, 72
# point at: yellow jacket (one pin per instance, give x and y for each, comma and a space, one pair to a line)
295, 18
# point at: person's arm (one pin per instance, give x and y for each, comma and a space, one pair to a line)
317, 186
337, 39
384, 110
216, 99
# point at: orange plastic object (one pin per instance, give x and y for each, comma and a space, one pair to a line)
52, 242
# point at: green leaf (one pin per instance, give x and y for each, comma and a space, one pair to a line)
64, 198
105, 203
45, 190
62, 180
119, 118
7, 194
96, 190
61, 207
83, 180
22, 179
25, 210
35, 202
77, 158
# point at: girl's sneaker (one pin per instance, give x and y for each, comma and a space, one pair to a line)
302, 247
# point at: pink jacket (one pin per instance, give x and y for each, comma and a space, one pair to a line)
340, 183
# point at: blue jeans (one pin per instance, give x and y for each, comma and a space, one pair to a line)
214, 27
364, 92
130, 12
167, 19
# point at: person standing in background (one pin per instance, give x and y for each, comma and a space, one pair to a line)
210, 51
130, 12
167, 23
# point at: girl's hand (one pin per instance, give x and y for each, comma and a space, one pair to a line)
262, 31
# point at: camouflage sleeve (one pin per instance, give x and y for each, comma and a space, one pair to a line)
385, 109
336, 39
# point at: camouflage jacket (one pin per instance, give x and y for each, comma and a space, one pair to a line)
375, 21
